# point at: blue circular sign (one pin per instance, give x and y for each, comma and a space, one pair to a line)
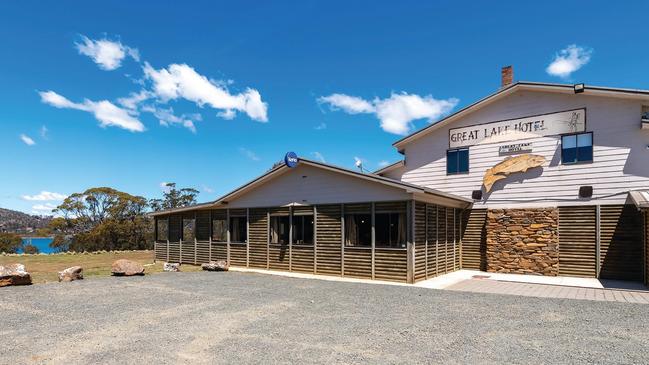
291, 159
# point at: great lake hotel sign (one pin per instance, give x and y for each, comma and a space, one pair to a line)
571, 121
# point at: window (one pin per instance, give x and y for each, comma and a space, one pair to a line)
238, 230
645, 112
457, 161
303, 229
390, 229
279, 231
358, 230
576, 148
162, 230
220, 230
189, 229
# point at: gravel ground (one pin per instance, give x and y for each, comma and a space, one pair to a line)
253, 318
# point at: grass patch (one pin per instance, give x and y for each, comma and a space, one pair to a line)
45, 268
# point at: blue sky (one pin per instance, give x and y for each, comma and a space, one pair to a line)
227, 88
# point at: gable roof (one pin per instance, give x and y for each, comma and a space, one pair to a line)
520, 86
389, 167
282, 168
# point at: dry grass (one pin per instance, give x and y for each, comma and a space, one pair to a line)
45, 268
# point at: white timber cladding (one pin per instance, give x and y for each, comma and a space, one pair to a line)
311, 185
621, 156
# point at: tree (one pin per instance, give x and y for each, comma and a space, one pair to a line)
31, 249
10, 242
174, 198
102, 219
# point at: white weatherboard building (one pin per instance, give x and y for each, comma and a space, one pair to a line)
543, 179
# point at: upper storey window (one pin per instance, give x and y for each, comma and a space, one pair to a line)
457, 161
577, 148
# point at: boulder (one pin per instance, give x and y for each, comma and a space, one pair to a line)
123, 267
14, 274
71, 274
216, 266
171, 267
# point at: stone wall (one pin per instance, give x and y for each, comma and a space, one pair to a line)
523, 241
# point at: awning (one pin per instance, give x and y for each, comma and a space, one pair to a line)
640, 198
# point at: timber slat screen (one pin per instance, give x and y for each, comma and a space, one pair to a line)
646, 247
329, 239
621, 246
258, 238
377, 250
474, 239
578, 241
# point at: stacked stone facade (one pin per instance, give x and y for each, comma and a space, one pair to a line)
523, 241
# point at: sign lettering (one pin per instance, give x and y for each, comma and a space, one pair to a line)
571, 121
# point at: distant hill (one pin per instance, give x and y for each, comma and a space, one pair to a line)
19, 222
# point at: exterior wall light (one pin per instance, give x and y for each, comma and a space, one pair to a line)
579, 88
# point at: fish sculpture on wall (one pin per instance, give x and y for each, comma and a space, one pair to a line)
511, 165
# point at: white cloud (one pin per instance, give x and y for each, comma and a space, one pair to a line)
569, 60
395, 113
166, 117
107, 113
134, 99
349, 104
44, 132
207, 189
320, 126
44, 196
319, 156
27, 140
106, 53
248, 153
46, 208
383, 163
182, 81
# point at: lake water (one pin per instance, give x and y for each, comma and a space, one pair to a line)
43, 243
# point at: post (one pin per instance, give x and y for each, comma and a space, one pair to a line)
227, 220
155, 251
248, 236
180, 245
342, 239
315, 239
410, 247
454, 237
167, 248
598, 240
267, 239
210, 239
426, 244
373, 239
436, 240
290, 238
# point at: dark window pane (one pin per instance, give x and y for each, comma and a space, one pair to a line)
463, 160
189, 232
219, 230
569, 155
279, 231
382, 228
303, 229
585, 154
358, 230
163, 230
238, 230
451, 162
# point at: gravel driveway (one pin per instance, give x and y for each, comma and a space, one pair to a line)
253, 318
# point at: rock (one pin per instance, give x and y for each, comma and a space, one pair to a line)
14, 274
171, 267
216, 266
125, 267
71, 274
